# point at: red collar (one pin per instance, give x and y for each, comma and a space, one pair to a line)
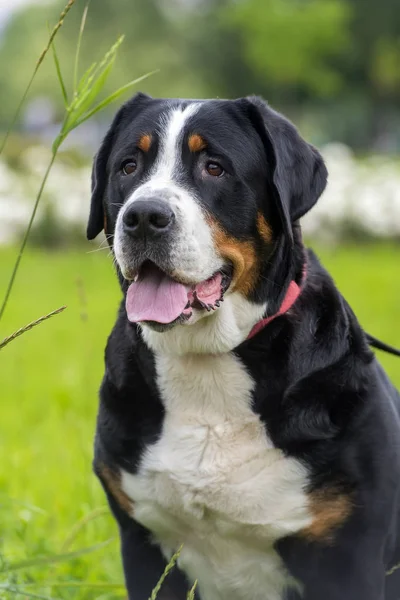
292, 293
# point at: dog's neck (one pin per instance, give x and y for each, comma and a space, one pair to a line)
292, 293
220, 334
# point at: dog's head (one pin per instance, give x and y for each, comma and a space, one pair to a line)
199, 200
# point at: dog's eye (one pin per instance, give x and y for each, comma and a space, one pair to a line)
129, 166
214, 169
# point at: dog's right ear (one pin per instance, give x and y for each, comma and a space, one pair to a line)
299, 174
99, 171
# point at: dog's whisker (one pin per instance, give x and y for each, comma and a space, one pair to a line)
97, 250
103, 245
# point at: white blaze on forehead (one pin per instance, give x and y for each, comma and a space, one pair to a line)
171, 136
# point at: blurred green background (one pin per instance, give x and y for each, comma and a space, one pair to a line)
333, 66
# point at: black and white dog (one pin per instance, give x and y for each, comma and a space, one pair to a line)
242, 411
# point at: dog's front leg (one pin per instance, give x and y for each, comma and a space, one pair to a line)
144, 564
143, 561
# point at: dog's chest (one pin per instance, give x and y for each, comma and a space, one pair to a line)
215, 483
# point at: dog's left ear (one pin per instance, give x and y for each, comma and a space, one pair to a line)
299, 174
99, 180
99, 172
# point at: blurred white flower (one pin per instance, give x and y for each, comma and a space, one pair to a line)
362, 195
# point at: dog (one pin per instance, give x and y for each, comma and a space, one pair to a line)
243, 417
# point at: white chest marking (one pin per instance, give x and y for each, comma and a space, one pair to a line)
215, 483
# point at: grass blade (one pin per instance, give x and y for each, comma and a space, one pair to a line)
6, 499
53, 34
114, 96
18, 592
192, 591
392, 570
83, 82
168, 568
30, 326
74, 584
94, 514
56, 558
78, 46
84, 104
88, 89
111, 53
87, 95
59, 74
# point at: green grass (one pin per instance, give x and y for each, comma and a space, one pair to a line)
49, 382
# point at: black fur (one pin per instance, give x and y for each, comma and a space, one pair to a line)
320, 392
299, 173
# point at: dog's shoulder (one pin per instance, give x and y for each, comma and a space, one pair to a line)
325, 400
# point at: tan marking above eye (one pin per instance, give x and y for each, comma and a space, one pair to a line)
113, 484
264, 229
242, 255
196, 143
330, 509
145, 142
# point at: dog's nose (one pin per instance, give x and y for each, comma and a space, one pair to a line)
148, 217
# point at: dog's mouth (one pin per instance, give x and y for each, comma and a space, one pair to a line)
157, 298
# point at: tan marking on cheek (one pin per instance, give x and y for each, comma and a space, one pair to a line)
264, 229
105, 223
113, 483
145, 142
330, 510
241, 254
196, 143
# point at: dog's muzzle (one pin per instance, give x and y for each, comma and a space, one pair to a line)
159, 250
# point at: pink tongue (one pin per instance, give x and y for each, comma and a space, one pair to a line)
156, 297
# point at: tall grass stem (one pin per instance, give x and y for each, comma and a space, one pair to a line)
53, 34
78, 45
56, 558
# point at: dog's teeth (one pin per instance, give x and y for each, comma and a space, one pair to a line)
136, 277
217, 303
